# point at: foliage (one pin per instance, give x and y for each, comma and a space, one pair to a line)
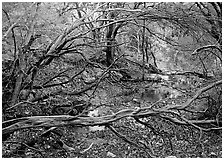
146, 75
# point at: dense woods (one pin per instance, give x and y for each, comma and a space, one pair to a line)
111, 79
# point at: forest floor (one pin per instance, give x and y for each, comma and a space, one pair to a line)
83, 143
134, 140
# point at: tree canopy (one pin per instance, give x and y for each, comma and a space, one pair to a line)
149, 73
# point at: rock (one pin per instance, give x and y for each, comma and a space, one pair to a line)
96, 128
109, 154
